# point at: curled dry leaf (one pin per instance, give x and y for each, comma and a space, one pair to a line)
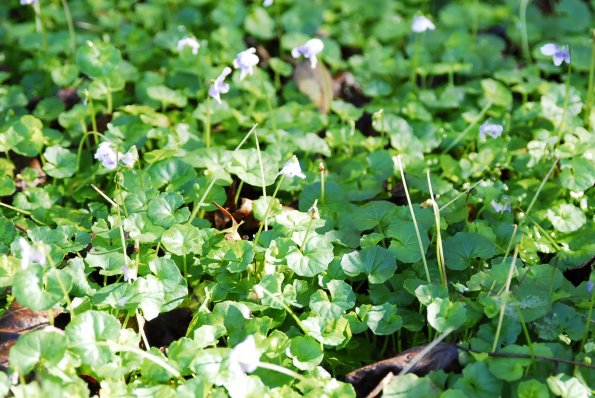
315, 83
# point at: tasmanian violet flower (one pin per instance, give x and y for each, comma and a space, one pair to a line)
244, 357
421, 24
107, 155
267, 3
219, 86
189, 41
29, 254
310, 50
130, 157
246, 61
292, 168
500, 208
28, 2
559, 54
491, 129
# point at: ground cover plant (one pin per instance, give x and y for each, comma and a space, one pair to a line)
235, 198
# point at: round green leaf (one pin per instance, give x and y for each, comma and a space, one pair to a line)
167, 96
97, 59
462, 248
60, 162
38, 288
25, 136
566, 217
47, 346
378, 263
312, 259
163, 209
443, 314
182, 239
306, 352
86, 333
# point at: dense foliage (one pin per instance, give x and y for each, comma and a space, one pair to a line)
366, 177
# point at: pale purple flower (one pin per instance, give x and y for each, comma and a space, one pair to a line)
30, 254
501, 208
559, 54
292, 168
107, 155
267, 3
246, 61
421, 24
219, 86
189, 41
310, 50
244, 357
130, 157
28, 2
590, 286
491, 129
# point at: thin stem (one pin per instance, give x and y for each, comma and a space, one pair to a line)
560, 127
321, 168
285, 307
269, 207
238, 192
28, 213
421, 246
212, 183
481, 114
590, 88
207, 136
269, 103
71, 31
459, 195
39, 24
589, 317
523, 28
547, 176
264, 189
283, 370
505, 298
110, 100
415, 60
439, 247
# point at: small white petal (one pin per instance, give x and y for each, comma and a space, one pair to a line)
267, 3
421, 24
292, 168
549, 49
244, 357
130, 157
107, 155
310, 50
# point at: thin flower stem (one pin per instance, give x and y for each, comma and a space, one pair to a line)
264, 188
523, 29
283, 370
560, 128
71, 31
415, 59
212, 183
39, 24
286, 308
207, 136
100, 192
322, 170
421, 246
144, 354
504, 298
547, 176
439, 247
110, 101
481, 114
460, 195
268, 101
590, 88
28, 213
268, 210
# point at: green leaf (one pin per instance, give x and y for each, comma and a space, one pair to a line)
40, 289
182, 239
532, 389
167, 96
378, 263
46, 346
444, 314
313, 258
163, 209
342, 297
566, 217
381, 319
410, 385
510, 369
371, 214
246, 166
25, 136
498, 93
478, 381
60, 162
89, 334
175, 287
97, 59
259, 24
461, 249
305, 352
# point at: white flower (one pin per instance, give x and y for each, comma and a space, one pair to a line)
219, 87
28, 2
189, 41
491, 129
292, 168
29, 254
107, 155
130, 157
500, 208
246, 61
244, 357
558, 54
421, 24
310, 50
267, 3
